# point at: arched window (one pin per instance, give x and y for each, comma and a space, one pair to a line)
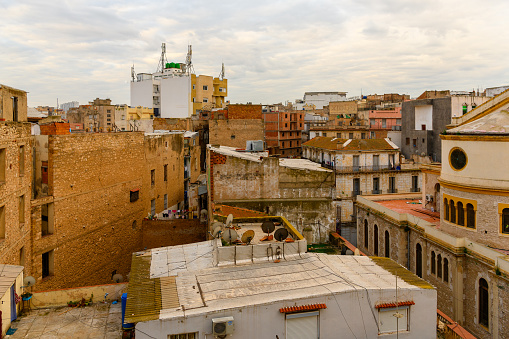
366, 236
505, 220
418, 260
433, 262
461, 214
470, 216
452, 212
484, 303
387, 244
446, 208
446, 270
376, 240
439, 266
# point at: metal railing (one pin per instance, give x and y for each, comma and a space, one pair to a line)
350, 169
415, 189
392, 190
376, 192
356, 193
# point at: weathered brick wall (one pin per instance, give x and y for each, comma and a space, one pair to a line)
60, 128
6, 109
244, 111
235, 133
16, 184
162, 233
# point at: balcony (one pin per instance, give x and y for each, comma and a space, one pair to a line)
392, 190
353, 169
415, 189
356, 193
376, 192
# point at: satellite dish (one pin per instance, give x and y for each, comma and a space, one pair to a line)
229, 235
268, 227
247, 236
281, 234
29, 281
229, 220
216, 232
118, 278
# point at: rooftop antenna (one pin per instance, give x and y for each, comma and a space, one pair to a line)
189, 63
133, 73
221, 75
163, 60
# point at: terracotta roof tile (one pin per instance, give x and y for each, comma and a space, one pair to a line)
354, 144
311, 307
390, 305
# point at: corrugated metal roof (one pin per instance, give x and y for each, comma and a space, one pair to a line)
354, 144
169, 295
143, 293
8, 275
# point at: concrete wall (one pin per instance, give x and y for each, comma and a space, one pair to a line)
342, 315
441, 117
235, 132
62, 296
175, 97
142, 93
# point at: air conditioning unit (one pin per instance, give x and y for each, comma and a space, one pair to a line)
221, 327
429, 197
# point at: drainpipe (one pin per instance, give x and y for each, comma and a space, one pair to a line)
408, 250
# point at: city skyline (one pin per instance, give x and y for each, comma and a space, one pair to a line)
272, 52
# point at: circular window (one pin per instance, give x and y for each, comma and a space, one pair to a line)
458, 159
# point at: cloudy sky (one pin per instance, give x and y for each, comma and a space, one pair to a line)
273, 51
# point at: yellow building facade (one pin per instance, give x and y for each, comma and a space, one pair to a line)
208, 92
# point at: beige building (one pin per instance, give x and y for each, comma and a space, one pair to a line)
463, 248
97, 116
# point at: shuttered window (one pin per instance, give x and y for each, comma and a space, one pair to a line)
302, 325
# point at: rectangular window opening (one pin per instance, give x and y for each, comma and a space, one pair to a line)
47, 224
48, 264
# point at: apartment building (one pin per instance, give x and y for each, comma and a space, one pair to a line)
15, 178
97, 116
283, 129
208, 92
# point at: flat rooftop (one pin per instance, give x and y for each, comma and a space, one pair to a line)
411, 206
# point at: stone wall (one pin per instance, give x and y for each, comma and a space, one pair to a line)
15, 184
235, 132
6, 103
162, 233
243, 112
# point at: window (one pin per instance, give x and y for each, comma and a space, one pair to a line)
439, 266
418, 260
194, 86
324, 134
134, 195
461, 214
388, 323
108, 115
14, 108
376, 186
108, 119
423, 127
153, 206
392, 185
47, 226
22, 256
470, 216
21, 210
387, 244
446, 208
366, 234
21, 160
338, 135
153, 177
108, 111
376, 162
350, 136
165, 172
2, 222
433, 263
2, 164
302, 325
446, 270
414, 142
372, 121
205, 88
184, 336
375, 240
398, 121
505, 221
483, 303
356, 186
232, 137
205, 100
384, 123
407, 141
363, 135
415, 183
465, 108
355, 162
166, 201
47, 264
452, 211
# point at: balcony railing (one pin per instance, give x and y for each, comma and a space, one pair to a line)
356, 193
376, 192
349, 169
415, 189
392, 190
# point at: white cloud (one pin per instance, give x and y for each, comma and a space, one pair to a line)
273, 51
